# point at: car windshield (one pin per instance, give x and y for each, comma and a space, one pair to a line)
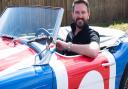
29, 21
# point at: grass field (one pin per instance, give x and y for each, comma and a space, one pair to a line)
120, 26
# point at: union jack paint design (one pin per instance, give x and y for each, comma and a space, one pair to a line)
62, 72
17, 70
14, 58
79, 72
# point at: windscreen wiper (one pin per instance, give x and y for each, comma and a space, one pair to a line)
7, 36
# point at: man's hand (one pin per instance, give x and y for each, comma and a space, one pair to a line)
61, 45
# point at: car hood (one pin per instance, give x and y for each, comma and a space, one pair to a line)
14, 56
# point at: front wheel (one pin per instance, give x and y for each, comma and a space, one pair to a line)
124, 81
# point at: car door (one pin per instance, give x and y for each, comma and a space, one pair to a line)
86, 73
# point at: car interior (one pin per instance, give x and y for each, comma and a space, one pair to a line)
107, 38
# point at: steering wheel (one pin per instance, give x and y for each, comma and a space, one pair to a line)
42, 32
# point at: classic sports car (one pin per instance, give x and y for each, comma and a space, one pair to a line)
28, 57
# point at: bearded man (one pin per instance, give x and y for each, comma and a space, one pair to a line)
81, 40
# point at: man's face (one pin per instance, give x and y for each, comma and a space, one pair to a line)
80, 15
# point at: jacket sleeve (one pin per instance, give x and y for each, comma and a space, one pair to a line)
94, 36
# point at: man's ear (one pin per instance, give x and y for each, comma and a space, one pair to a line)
88, 14
72, 14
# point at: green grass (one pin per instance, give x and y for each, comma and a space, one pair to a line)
119, 25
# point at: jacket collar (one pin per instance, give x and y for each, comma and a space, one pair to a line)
85, 28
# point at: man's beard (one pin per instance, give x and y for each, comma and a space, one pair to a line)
80, 23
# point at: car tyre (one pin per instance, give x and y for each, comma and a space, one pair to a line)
124, 80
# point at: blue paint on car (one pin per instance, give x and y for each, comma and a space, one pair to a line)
35, 77
121, 58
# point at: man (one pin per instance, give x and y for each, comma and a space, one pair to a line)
81, 40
